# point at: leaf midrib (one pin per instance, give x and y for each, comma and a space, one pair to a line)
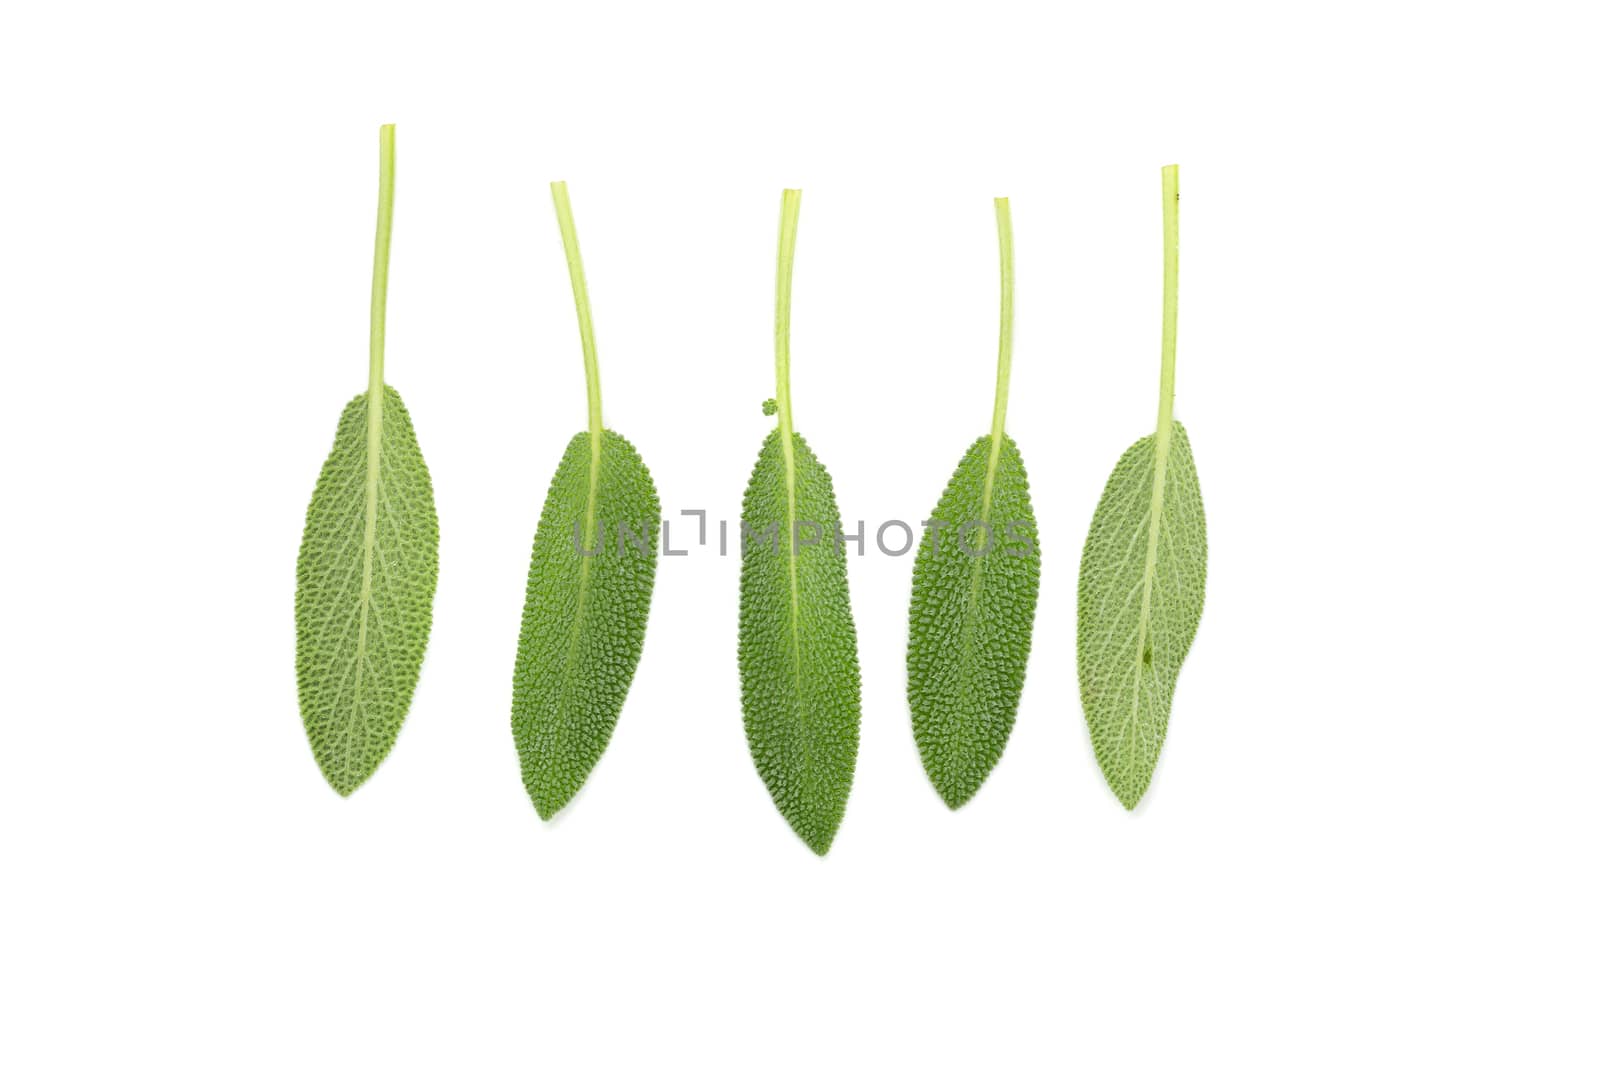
1163, 445
969, 619
369, 540
580, 609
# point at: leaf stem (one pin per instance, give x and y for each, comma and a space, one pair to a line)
1169, 294
788, 225
580, 295
1002, 386
380, 259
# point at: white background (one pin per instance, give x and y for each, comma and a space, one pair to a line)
1372, 834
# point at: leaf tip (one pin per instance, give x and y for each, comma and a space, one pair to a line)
1128, 796
955, 802
954, 795
818, 838
343, 785
547, 807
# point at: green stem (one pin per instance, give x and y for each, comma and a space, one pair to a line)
580, 295
789, 224
380, 259
1169, 294
1002, 386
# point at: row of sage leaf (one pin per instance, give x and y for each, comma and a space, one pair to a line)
368, 567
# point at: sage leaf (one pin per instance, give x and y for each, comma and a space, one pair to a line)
1142, 582
589, 587
973, 593
368, 563
799, 675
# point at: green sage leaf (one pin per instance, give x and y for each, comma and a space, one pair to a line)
589, 588
799, 675
369, 562
973, 594
1141, 586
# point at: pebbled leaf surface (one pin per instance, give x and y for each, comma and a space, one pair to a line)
583, 622
364, 593
972, 605
1139, 603
797, 645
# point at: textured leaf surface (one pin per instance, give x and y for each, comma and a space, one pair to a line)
797, 644
584, 619
364, 599
1139, 602
972, 604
